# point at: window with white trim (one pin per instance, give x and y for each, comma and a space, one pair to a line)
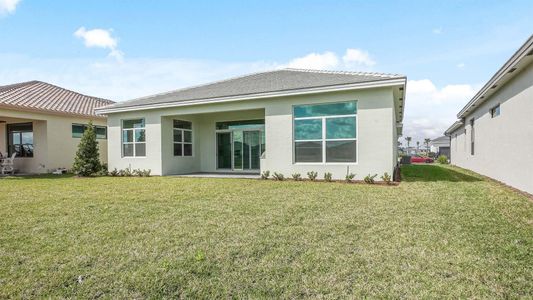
182, 138
325, 133
133, 138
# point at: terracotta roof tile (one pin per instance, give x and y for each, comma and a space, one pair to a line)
48, 97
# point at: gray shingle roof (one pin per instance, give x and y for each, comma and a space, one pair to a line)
38, 95
258, 83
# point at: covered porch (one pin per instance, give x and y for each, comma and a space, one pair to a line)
24, 138
208, 144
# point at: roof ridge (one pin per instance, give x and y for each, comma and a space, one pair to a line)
378, 74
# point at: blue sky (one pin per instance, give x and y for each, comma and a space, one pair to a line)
447, 49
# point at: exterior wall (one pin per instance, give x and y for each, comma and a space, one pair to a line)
376, 134
54, 146
502, 144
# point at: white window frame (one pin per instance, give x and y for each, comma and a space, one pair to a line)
182, 143
324, 139
493, 110
134, 143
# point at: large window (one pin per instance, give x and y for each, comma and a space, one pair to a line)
182, 138
325, 133
133, 138
79, 129
20, 139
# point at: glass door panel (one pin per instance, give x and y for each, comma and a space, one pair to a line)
252, 156
224, 150
237, 150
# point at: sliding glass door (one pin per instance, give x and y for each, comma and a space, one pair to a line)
240, 145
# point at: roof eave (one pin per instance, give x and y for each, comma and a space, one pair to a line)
494, 83
453, 128
314, 90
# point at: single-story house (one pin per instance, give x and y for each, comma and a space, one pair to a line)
42, 123
494, 133
440, 146
286, 121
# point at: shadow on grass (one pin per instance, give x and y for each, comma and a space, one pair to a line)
41, 176
429, 173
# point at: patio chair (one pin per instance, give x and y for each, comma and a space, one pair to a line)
8, 164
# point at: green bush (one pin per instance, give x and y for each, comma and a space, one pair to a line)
87, 160
265, 175
297, 176
370, 178
328, 177
442, 159
349, 177
386, 178
278, 176
312, 175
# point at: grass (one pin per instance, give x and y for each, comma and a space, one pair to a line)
444, 232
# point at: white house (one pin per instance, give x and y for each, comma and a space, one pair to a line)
440, 146
284, 121
42, 125
494, 133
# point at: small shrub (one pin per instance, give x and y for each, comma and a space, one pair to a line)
126, 173
278, 176
297, 176
442, 159
265, 175
349, 177
114, 173
386, 178
370, 178
312, 175
328, 176
146, 173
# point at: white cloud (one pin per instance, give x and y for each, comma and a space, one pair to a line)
100, 38
8, 6
353, 59
358, 57
326, 60
430, 110
437, 30
461, 65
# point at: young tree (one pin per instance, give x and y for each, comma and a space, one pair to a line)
87, 161
417, 146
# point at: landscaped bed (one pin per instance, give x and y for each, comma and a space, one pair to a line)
443, 232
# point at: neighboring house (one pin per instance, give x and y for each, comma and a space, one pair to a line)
494, 135
42, 123
283, 121
440, 146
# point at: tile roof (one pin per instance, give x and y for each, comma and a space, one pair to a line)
260, 83
38, 95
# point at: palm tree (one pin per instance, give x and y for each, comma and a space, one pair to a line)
426, 141
417, 146
408, 139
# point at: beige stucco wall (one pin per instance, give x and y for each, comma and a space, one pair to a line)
502, 144
54, 146
376, 134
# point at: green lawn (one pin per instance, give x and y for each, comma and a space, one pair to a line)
442, 232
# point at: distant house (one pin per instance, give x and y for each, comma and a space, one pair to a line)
42, 123
440, 146
286, 121
494, 133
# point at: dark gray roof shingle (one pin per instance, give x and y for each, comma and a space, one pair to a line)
48, 97
258, 83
